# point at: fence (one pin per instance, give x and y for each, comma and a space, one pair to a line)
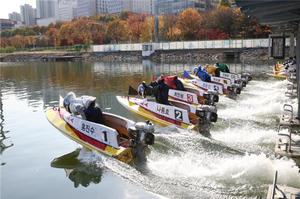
189, 45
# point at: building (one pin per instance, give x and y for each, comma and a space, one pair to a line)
173, 6
7, 24
163, 6
45, 8
86, 8
28, 15
66, 10
138, 6
108, 6
14, 16
45, 21
205, 5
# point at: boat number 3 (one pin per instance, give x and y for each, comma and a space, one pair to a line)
216, 88
178, 115
87, 128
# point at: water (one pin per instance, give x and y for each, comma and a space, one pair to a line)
39, 162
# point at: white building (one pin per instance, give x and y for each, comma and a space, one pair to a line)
28, 15
86, 8
66, 10
163, 6
173, 6
14, 16
108, 6
45, 21
45, 8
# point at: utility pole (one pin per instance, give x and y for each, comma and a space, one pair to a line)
298, 66
155, 3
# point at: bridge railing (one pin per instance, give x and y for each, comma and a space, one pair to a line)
188, 45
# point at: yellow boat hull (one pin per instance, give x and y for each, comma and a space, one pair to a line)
122, 154
149, 115
278, 76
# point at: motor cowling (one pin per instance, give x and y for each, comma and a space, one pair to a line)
211, 97
207, 113
236, 88
244, 82
141, 135
247, 76
142, 132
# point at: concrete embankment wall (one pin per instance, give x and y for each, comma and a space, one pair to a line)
172, 56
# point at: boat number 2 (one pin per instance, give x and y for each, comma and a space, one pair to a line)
178, 115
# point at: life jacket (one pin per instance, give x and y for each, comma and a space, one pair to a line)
223, 68
169, 80
203, 75
211, 69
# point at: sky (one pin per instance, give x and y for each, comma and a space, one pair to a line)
8, 6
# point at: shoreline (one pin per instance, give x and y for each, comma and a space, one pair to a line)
179, 56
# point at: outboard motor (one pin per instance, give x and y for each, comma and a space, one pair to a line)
247, 76
206, 114
211, 97
142, 136
234, 88
237, 88
231, 92
241, 81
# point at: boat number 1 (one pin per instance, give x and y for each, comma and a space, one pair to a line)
178, 115
105, 136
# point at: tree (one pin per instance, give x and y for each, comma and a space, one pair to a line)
136, 22
189, 22
212, 34
53, 37
18, 41
117, 31
225, 3
147, 32
221, 18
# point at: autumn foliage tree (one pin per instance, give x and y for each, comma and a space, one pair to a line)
118, 31
189, 22
222, 22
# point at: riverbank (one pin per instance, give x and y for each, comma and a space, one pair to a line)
246, 55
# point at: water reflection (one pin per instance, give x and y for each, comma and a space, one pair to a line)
78, 172
44, 82
3, 137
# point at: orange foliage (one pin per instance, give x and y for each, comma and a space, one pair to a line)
118, 30
189, 23
220, 23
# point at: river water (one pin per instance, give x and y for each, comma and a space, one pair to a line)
37, 161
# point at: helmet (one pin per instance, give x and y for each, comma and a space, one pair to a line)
195, 70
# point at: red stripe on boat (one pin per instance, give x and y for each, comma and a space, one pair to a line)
89, 140
84, 137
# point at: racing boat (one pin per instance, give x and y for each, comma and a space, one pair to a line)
241, 79
285, 70
117, 137
220, 85
181, 114
190, 94
194, 96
